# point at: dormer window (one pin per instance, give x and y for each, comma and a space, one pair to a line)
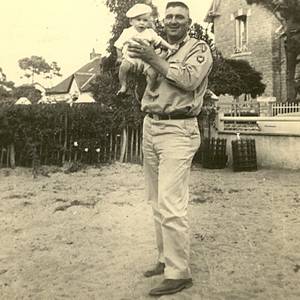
241, 34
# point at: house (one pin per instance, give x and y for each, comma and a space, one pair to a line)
77, 86
23, 101
252, 33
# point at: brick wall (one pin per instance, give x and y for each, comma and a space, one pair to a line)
279, 66
263, 52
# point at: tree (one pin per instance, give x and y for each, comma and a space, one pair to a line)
2, 75
28, 91
54, 71
4, 92
6, 87
288, 13
34, 65
235, 77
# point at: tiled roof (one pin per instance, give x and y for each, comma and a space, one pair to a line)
91, 67
83, 77
63, 87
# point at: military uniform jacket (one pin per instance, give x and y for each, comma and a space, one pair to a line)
181, 91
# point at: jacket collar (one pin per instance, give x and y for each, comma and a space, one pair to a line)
179, 44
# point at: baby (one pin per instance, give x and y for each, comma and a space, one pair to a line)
140, 20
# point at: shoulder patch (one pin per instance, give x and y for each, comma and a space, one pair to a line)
200, 59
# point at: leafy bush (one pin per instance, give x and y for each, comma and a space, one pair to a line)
48, 132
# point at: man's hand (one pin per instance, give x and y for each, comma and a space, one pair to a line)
140, 49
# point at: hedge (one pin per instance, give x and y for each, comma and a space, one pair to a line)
55, 133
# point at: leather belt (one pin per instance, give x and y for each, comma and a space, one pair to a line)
169, 117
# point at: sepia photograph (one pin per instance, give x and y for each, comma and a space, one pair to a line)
150, 149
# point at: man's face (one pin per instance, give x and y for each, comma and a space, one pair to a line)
177, 22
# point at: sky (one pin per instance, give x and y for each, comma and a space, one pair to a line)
64, 31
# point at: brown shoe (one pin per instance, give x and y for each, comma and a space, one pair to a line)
157, 270
171, 286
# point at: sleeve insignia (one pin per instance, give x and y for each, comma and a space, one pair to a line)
203, 48
200, 59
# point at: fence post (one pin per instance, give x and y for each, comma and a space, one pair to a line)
12, 156
65, 138
110, 145
265, 109
220, 123
270, 109
1, 157
141, 144
123, 145
282, 108
127, 145
131, 145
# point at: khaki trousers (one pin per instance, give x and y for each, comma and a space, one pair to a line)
169, 147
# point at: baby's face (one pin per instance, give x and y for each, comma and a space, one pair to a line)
140, 23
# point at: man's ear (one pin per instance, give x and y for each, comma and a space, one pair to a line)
190, 21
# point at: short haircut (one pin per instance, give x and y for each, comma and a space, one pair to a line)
172, 4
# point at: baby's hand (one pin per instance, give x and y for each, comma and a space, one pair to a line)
173, 48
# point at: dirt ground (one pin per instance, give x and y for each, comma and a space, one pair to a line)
89, 235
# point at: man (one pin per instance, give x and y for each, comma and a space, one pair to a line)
170, 139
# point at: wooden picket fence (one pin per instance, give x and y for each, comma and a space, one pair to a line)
125, 146
284, 108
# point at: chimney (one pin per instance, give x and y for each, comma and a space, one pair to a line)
93, 54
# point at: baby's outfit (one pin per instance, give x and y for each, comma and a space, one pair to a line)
148, 35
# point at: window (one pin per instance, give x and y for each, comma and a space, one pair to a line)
241, 34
